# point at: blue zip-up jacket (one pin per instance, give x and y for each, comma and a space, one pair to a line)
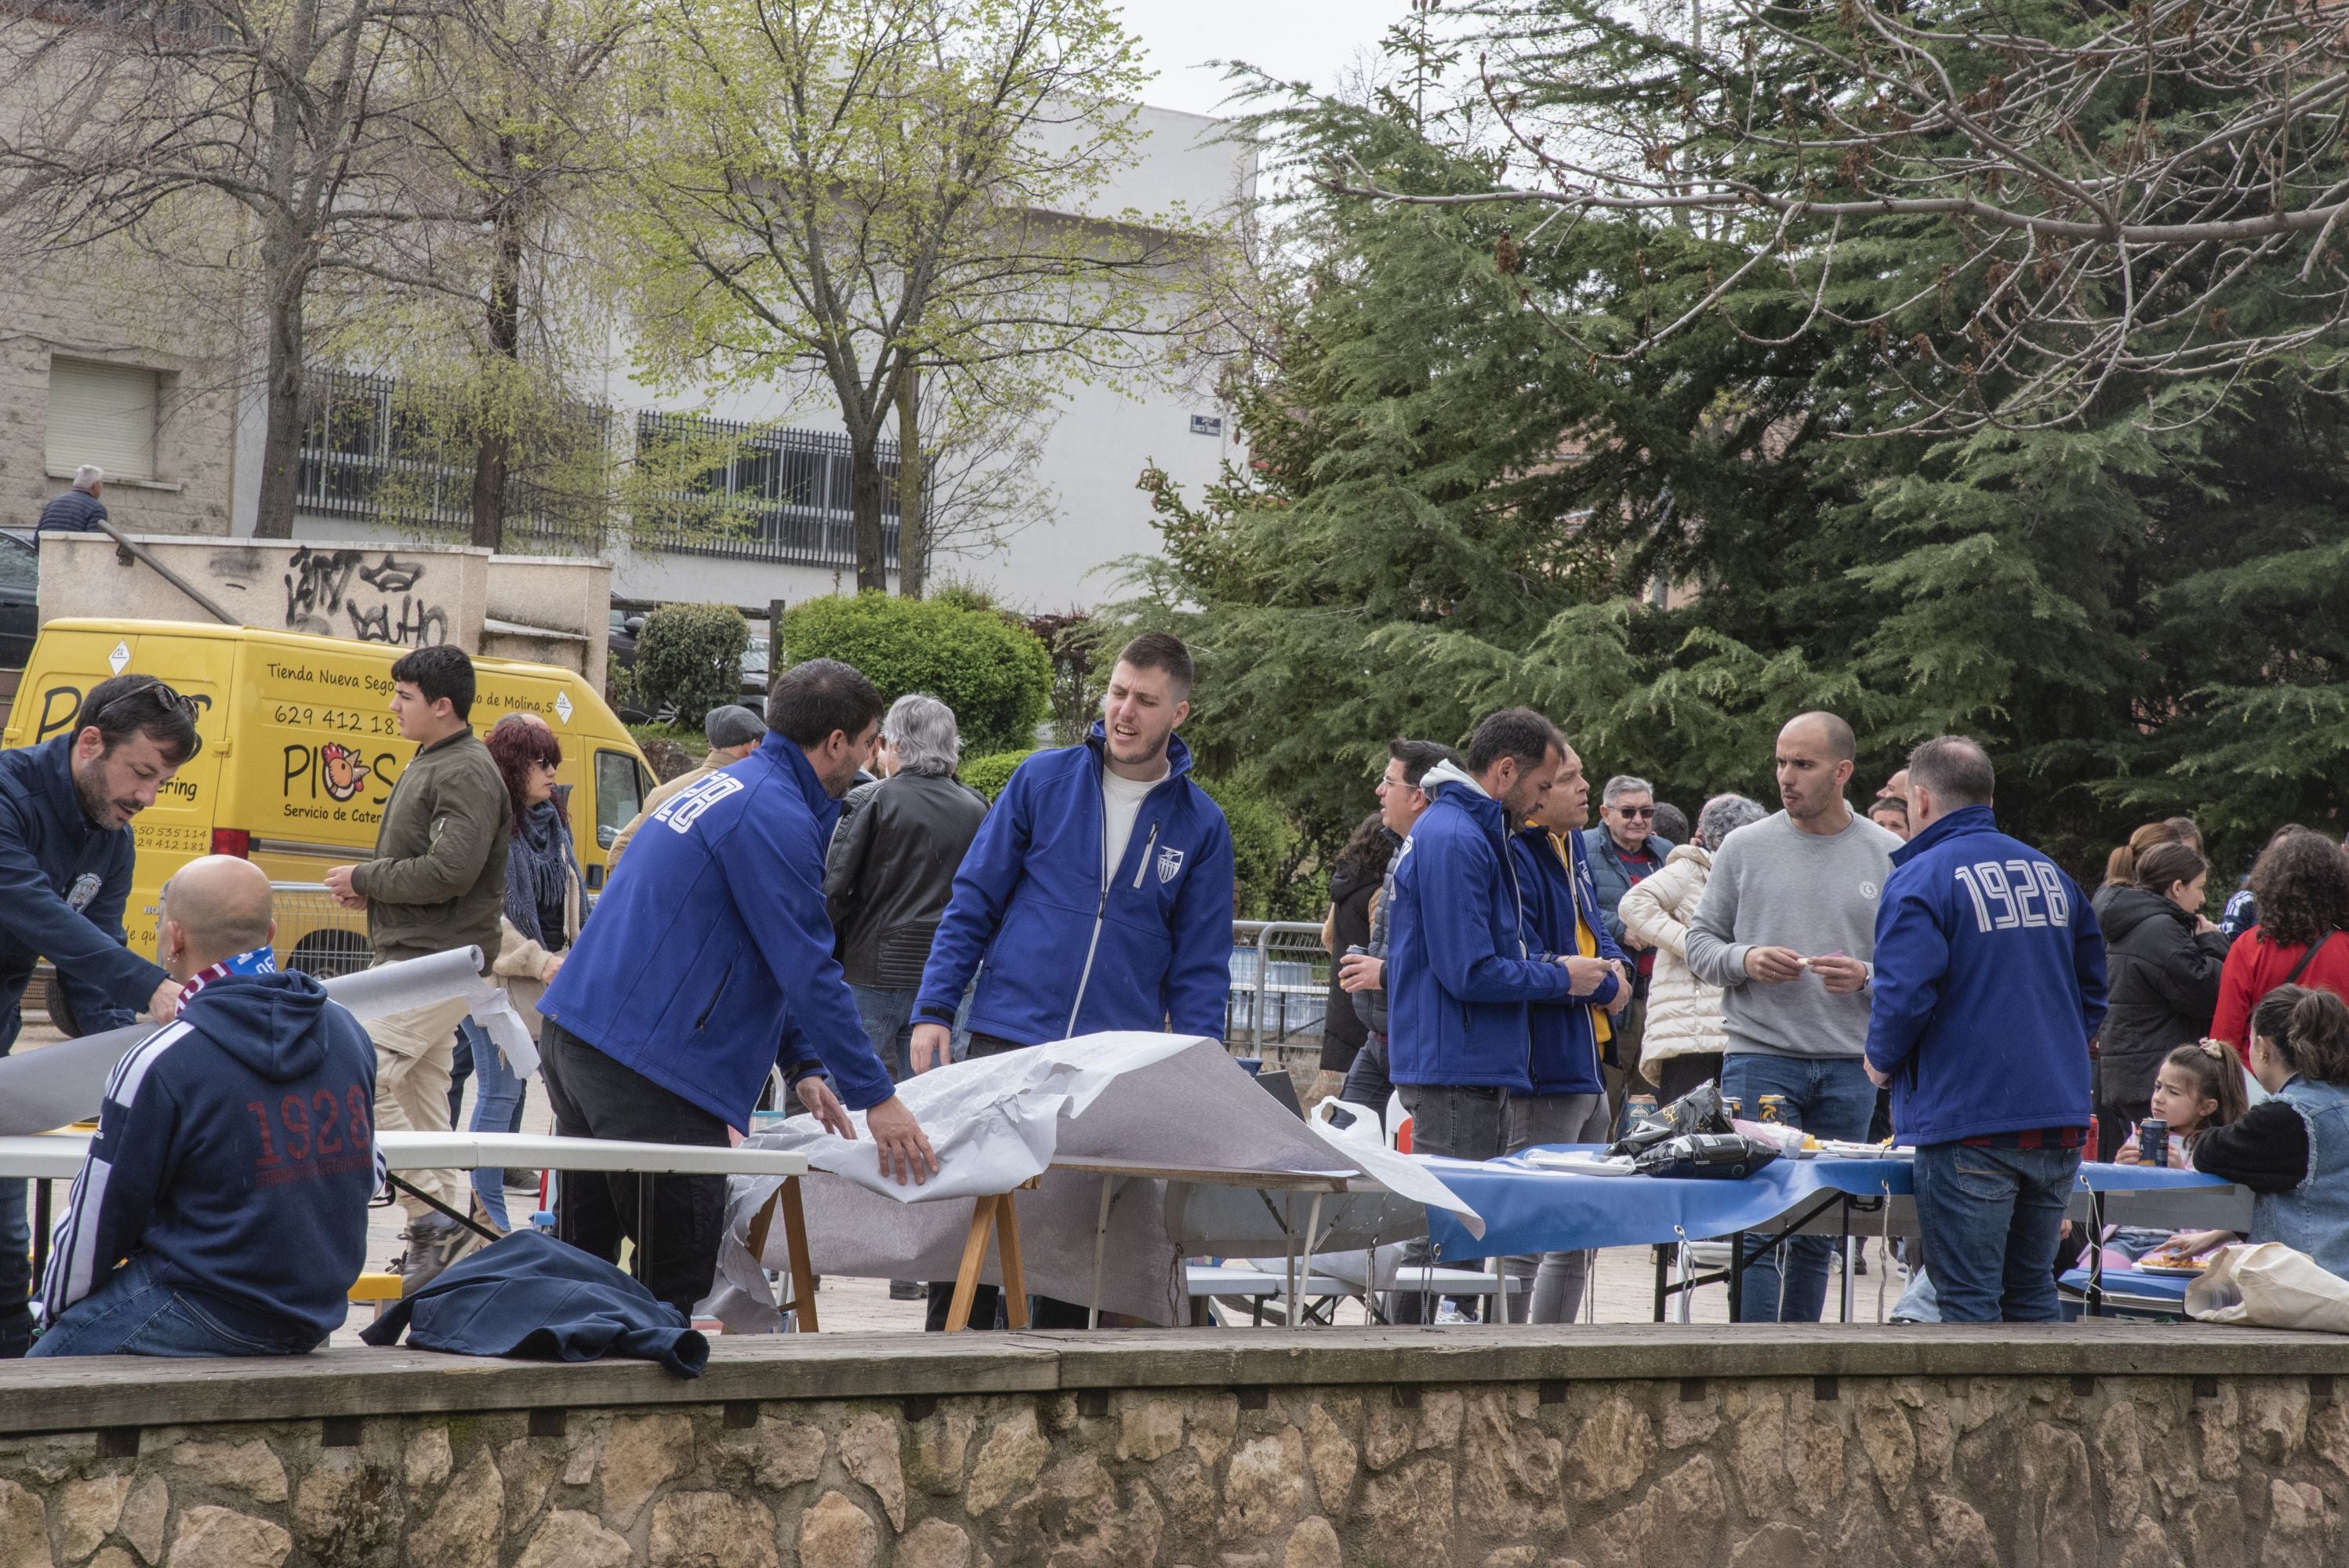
1990, 982
63, 883
1071, 946
236, 1146
1564, 1055
1463, 959
712, 941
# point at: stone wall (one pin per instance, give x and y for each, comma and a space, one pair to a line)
1417, 1470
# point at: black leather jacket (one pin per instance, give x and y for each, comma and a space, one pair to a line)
891, 870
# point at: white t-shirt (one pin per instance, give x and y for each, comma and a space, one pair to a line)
1120, 805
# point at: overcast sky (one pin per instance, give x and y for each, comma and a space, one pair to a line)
1312, 40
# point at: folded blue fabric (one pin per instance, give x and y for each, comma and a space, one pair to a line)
529, 1295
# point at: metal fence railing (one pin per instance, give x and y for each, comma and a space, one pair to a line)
1280, 982
315, 934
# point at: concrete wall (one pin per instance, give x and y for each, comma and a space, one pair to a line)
407, 596
97, 304
1481, 1449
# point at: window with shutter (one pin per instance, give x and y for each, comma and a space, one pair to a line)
102, 414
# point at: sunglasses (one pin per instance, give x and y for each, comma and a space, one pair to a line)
1633, 810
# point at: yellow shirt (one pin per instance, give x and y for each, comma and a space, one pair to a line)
1586, 941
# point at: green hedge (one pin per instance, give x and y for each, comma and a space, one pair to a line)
989, 774
1262, 839
691, 655
995, 674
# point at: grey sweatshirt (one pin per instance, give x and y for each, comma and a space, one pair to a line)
1774, 885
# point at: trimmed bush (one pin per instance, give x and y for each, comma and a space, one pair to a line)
995, 674
989, 774
1261, 841
691, 655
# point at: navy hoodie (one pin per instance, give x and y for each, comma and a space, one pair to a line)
63, 883
1989, 984
236, 1147
1464, 958
1072, 945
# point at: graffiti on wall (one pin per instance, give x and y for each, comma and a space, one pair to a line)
381, 602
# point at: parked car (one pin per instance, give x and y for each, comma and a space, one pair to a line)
20, 588
754, 670
622, 638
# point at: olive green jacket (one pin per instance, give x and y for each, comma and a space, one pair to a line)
438, 878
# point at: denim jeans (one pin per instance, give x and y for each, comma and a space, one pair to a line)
1464, 1122
134, 1313
887, 1015
497, 1107
1827, 1097
15, 1231
1991, 1218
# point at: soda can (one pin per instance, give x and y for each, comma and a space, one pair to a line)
1734, 1106
1774, 1108
2153, 1141
1639, 1107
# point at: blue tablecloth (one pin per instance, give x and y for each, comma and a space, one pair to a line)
2161, 1288
1526, 1209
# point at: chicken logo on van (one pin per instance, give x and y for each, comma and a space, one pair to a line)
341, 771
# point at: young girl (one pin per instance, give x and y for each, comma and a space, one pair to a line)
2197, 1089
2292, 1151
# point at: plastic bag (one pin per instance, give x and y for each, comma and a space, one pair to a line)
1727, 1156
1698, 1111
2268, 1286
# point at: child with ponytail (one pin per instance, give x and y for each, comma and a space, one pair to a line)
2292, 1151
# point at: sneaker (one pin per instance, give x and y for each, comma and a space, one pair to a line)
908, 1290
432, 1245
522, 1180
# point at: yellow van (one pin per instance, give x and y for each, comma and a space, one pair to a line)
299, 753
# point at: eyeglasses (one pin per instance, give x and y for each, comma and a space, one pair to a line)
1633, 810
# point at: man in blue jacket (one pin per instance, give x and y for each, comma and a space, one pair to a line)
223, 1208
1098, 892
1990, 982
65, 855
709, 943
1566, 1102
1464, 959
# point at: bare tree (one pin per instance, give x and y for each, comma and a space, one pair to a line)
277, 130
869, 190
2133, 197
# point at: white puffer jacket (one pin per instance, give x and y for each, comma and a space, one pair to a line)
1683, 1012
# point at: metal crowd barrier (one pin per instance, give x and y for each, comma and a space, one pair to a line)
1280, 982
315, 934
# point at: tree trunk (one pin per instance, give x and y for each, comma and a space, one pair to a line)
493, 422
913, 528
865, 504
280, 441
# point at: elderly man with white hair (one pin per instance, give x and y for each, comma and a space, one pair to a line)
79, 510
891, 870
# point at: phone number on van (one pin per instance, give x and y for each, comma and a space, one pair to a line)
350, 721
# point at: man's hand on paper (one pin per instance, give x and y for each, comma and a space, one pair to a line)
165, 1004
1773, 966
1841, 975
816, 1096
339, 889
933, 1046
904, 1147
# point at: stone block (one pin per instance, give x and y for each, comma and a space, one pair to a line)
23, 1528
1411, 1510
2298, 1525
1439, 1418
428, 1460
789, 1453
2275, 1418
250, 1466
1264, 1484
868, 1447
144, 1513
1188, 1494
1330, 1454
87, 1511
1211, 1421
530, 1471
1611, 1450
211, 1537
934, 1544
1149, 1427
1891, 1446
641, 1455
347, 1508
1778, 1544
2053, 1508
569, 1538
836, 1533
2120, 1465
1313, 1544
941, 1446
1511, 1477
467, 1525
1956, 1534
1010, 1460
712, 1530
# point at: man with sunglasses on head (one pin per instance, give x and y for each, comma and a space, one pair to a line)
1623, 849
65, 855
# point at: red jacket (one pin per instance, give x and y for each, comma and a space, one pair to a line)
2256, 966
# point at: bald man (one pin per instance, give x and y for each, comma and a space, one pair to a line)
1787, 929
223, 1207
